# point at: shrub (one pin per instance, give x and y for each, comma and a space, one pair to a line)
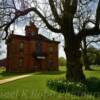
62, 61
93, 85
66, 86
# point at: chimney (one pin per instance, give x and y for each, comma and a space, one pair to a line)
31, 29
53, 39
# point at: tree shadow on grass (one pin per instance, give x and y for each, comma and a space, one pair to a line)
50, 73
4, 74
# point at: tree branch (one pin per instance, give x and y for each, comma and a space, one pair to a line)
93, 41
88, 32
22, 13
54, 12
70, 7
98, 15
85, 2
25, 12
93, 31
8, 25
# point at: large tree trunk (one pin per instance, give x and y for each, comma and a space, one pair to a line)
74, 63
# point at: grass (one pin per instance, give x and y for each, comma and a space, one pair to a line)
35, 87
94, 73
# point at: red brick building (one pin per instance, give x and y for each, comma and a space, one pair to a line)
32, 52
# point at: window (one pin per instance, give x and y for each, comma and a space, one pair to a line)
39, 46
21, 61
21, 46
50, 49
39, 54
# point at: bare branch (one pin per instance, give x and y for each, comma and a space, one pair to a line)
98, 15
85, 2
93, 41
88, 32
54, 12
25, 12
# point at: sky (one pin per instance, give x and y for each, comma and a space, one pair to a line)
2, 49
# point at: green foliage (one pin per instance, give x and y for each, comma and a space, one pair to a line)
66, 86
93, 84
97, 59
93, 56
62, 61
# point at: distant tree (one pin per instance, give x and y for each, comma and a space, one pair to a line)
97, 59
85, 55
91, 58
90, 51
93, 55
62, 61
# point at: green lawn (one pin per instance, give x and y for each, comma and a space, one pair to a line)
35, 88
94, 73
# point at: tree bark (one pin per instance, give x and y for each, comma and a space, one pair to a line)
74, 63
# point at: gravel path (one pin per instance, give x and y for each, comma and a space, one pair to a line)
14, 78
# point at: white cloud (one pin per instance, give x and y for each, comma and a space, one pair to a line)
3, 49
